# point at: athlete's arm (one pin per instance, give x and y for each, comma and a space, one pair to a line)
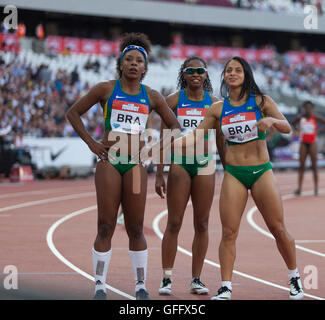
274, 118
160, 184
220, 139
322, 120
209, 122
296, 120
159, 104
95, 95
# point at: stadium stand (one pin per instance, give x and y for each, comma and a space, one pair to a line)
49, 85
39, 83
292, 7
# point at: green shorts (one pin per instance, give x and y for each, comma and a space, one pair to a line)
191, 164
122, 163
248, 175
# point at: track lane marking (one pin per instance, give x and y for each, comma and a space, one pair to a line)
250, 219
50, 243
155, 226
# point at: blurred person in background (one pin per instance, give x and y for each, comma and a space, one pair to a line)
307, 123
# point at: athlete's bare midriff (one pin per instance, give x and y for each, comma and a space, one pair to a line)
126, 144
247, 154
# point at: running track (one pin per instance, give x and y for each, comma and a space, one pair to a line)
47, 229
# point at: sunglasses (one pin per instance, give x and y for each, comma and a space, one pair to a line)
191, 70
134, 47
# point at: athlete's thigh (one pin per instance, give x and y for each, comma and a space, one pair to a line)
313, 153
202, 192
232, 202
268, 199
303, 152
108, 184
134, 193
178, 191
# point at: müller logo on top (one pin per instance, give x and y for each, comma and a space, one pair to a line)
130, 107
194, 112
237, 118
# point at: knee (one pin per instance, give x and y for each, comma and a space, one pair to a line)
278, 231
314, 166
135, 231
229, 234
105, 230
201, 227
174, 226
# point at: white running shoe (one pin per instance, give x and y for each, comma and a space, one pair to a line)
224, 293
198, 287
165, 287
296, 291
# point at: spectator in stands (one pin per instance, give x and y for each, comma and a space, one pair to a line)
66, 51
21, 31
39, 31
74, 76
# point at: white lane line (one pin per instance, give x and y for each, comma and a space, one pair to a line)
49, 240
55, 199
155, 226
250, 219
47, 200
42, 273
39, 192
54, 215
310, 241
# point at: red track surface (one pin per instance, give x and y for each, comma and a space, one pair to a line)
28, 211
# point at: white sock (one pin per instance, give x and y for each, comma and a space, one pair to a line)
139, 260
293, 273
167, 273
226, 284
101, 262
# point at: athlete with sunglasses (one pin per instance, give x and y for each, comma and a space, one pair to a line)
126, 105
190, 104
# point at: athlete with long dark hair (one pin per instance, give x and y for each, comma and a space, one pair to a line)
244, 116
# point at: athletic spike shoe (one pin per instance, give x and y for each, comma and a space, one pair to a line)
165, 287
296, 291
224, 293
100, 295
142, 294
198, 287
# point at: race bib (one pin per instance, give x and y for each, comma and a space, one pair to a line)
129, 117
190, 118
239, 128
307, 127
